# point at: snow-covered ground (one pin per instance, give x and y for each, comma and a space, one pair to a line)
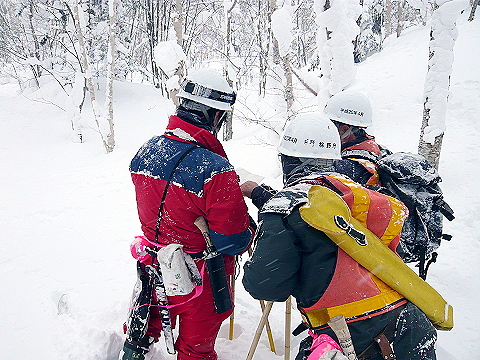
68, 213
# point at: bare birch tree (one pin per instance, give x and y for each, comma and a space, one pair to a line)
109, 142
475, 4
87, 74
388, 17
178, 27
263, 35
36, 68
281, 25
400, 16
228, 8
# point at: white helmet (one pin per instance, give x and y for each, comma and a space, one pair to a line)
311, 135
208, 87
350, 107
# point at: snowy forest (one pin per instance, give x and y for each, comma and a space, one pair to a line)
267, 45
84, 83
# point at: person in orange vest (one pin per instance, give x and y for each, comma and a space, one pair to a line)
292, 258
351, 112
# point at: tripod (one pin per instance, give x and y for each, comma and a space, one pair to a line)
264, 321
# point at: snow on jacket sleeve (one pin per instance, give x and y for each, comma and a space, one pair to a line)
227, 214
261, 194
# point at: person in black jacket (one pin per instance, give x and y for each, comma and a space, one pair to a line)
293, 258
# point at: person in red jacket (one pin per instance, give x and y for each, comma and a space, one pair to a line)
351, 112
178, 177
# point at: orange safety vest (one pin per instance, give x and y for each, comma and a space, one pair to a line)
353, 291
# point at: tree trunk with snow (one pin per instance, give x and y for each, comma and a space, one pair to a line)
275, 52
475, 4
84, 60
337, 30
178, 22
86, 70
388, 18
401, 17
228, 125
289, 96
370, 37
109, 142
281, 23
152, 24
263, 36
178, 27
442, 40
36, 69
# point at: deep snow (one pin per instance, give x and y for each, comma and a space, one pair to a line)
68, 214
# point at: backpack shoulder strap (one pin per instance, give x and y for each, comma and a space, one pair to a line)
164, 195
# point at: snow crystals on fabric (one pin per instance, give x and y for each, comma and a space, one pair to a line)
182, 134
285, 201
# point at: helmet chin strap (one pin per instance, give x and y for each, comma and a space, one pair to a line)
218, 124
205, 114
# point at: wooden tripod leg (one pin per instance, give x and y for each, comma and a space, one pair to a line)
232, 317
258, 332
267, 323
288, 325
269, 330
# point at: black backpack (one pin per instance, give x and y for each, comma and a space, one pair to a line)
412, 180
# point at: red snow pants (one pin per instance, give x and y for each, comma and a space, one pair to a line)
198, 324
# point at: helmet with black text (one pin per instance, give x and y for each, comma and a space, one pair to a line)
310, 142
350, 107
206, 96
310, 135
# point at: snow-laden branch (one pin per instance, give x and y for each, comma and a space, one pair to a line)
282, 27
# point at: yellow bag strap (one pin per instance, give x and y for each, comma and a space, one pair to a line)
321, 212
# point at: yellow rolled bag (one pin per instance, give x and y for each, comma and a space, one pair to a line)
328, 212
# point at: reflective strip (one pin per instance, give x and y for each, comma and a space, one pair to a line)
202, 91
361, 200
359, 153
399, 214
358, 309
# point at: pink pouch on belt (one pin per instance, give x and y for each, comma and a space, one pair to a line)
138, 250
321, 344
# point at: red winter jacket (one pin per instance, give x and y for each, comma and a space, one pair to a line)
204, 184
